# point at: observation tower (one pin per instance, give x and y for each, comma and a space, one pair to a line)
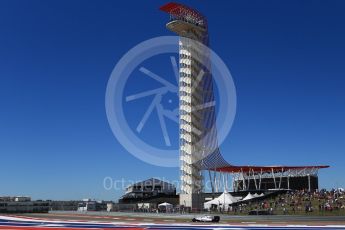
196, 98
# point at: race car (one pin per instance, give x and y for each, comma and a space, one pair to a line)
206, 219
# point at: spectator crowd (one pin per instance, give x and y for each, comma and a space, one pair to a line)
297, 202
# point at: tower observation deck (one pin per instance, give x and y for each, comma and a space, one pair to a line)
198, 135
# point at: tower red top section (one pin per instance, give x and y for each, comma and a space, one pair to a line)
182, 12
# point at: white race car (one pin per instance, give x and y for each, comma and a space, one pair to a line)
206, 219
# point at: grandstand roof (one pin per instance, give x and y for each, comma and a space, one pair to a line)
235, 169
216, 162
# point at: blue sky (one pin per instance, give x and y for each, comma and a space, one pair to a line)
286, 58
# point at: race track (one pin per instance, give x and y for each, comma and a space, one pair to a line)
11, 222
